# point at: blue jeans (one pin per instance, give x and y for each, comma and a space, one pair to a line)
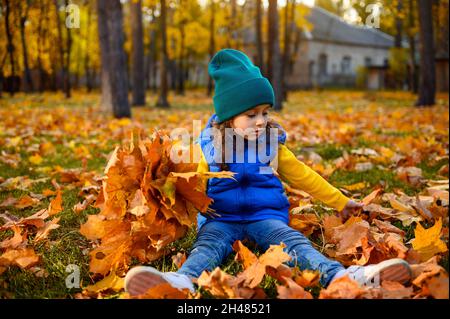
215, 239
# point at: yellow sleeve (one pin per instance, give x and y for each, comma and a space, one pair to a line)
298, 175
203, 166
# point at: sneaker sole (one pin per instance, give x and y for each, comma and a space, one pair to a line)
140, 279
396, 270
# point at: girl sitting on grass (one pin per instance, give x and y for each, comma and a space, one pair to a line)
254, 205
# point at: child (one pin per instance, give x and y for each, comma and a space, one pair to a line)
254, 205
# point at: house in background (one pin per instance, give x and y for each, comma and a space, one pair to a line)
331, 53
334, 50
441, 71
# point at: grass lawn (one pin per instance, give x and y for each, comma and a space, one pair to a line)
73, 134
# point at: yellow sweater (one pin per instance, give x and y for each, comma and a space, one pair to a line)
298, 175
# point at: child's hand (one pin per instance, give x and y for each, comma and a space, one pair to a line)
350, 209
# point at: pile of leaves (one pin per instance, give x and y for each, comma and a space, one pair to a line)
375, 148
146, 202
429, 279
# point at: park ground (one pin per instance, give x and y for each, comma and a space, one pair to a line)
42, 135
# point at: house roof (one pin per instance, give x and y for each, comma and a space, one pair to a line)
330, 27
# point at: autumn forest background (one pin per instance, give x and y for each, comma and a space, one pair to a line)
90, 91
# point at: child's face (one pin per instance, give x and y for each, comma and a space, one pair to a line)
253, 120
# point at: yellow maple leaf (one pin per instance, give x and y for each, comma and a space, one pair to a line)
112, 281
427, 242
55, 204
35, 159
356, 187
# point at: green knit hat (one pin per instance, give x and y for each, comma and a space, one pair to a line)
239, 85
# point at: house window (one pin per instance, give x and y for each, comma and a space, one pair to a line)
367, 61
311, 70
323, 64
346, 65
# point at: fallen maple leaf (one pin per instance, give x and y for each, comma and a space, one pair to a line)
307, 278
305, 223
219, 283
273, 257
292, 291
371, 197
55, 205
244, 254
10, 201
164, 291
37, 219
431, 278
15, 241
79, 207
342, 288
112, 281
179, 259
427, 242
349, 236
35, 159
25, 201
22, 257
395, 290
45, 230
329, 224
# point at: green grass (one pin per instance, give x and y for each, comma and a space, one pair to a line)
67, 246
329, 151
373, 177
430, 171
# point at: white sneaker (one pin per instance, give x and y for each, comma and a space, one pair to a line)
395, 269
141, 278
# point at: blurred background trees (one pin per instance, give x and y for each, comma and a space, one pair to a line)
140, 47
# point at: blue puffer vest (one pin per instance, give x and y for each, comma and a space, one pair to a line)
252, 195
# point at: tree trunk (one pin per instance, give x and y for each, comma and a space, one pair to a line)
23, 18
297, 42
114, 72
10, 45
162, 99
87, 70
180, 87
153, 54
233, 25
212, 43
286, 51
60, 45
153, 61
427, 84
412, 50
138, 69
259, 38
274, 55
102, 21
117, 60
173, 74
398, 25
67, 87
40, 34
2, 64
78, 60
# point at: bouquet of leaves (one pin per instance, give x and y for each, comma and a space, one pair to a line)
146, 202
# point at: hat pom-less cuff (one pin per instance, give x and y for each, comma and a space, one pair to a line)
243, 97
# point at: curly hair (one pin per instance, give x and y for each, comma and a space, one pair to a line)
227, 124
